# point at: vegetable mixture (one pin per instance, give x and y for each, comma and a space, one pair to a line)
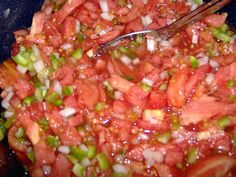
144, 108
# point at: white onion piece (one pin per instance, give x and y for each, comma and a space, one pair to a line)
165, 44
148, 81
107, 16
136, 61
21, 69
152, 157
64, 149
118, 95
39, 66
9, 96
57, 87
90, 53
47, 83
119, 168
67, 112
163, 75
47, 169
104, 6
77, 26
210, 78
85, 162
36, 52
203, 60
214, 63
66, 46
151, 45
8, 114
195, 39
126, 60
9, 89
5, 104
146, 20
143, 136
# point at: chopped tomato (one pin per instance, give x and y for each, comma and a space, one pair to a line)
69, 27
23, 88
216, 20
37, 23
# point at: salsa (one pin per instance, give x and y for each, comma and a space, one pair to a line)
144, 108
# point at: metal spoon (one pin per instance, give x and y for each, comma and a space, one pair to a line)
172, 29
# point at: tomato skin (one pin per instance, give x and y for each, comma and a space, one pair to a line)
61, 167
215, 20
215, 166
156, 100
23, 88
69, 27
36, 111
175, 91
136, 96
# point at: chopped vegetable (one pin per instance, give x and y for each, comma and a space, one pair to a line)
102, 161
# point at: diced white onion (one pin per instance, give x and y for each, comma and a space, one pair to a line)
83, 147
9, 96
163, 75
146, 20
143, 136
77, 27
214, 63
126, 60
203, 60
210, 78
8, 114
152, 156
129, 5
47, 169
136, 61
47, 83
64, 149
82, 76
107, 16
67, 112
36, 52
164, 43
57, 87
145, 1
9, 89
151, 45
118, 95
85, 162
90, 53
195, 39
21, 69
147, 81
39, 66
104, 6
5, 104
119, 168
66, 46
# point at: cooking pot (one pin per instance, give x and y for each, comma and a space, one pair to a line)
17, 14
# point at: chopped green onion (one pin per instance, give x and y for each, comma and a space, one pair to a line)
223, 122
223, 28
163, 87
220, 35
234, 140
38, 94
175, 123
57, 102
2, 132
72, 158
67, 90
128, 77
134, 44
20, 60
194, 62
77, 54
37, 82
53, 141
80, 37
128, 52
163, 137
192, 156
99, 107
121, 3
31, 156
9, 122
53, 99
198, 2
231, 83
78, 153
115, 53
91, 151
20, 133
145, 87
29, 100
78, 170
102, 161
55, 62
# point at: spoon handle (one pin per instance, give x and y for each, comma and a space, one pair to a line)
172, 29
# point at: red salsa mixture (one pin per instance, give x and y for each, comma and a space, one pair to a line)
145, 108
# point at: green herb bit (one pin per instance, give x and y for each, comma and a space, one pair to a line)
163, 87
43, 123
234, 140
53, 99
175, 123
102, 161
37, 82
223, 28
115, 53
121, 3
20, 60
77, 54
20, 133
163, 137
192, 156
128, 52
99, 106
223, 122
128, 77
78, 153
9, 122
67, 90
91, 151
80, 37
145, 87
53, 141
198, 2
38, 94
31, 156
78, 170
2, 132
194, 62
55, 62
72, 158
134, 44
231, 83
